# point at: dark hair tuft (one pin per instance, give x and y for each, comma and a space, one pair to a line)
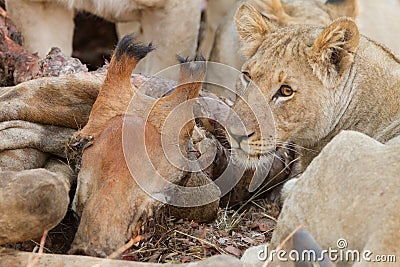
127, 46
198, 63
333, 1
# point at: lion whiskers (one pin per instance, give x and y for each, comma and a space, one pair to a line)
252, 163
294, 147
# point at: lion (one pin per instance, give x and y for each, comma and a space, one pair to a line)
339, 200
375, 19
283, 13
49, 23
341, 196
315, 82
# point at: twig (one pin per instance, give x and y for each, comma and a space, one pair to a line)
280, 246
164, 235
37, 245
202, 241
119, 251
203, 236
143, 250
269, 217
40, 253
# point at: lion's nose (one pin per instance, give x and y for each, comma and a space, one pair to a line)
237, 138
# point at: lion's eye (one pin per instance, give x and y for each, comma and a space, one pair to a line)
246, 75
285, 91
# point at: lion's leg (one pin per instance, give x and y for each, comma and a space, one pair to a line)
124, 28
43, 25
215, 13
173, 30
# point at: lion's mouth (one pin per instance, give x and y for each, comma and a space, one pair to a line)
249, 154
250, 159
284, 156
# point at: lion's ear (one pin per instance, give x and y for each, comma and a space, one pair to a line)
333, 50
342, 8
251, 27
274, 10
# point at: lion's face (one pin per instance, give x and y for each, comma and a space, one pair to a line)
291, 76
293, 96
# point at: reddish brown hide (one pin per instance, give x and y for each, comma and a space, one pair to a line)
112, 205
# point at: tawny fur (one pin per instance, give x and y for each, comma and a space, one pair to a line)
227, 43
342, 81
349, 189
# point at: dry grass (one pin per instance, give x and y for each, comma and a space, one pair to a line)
166, 239
178, 241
